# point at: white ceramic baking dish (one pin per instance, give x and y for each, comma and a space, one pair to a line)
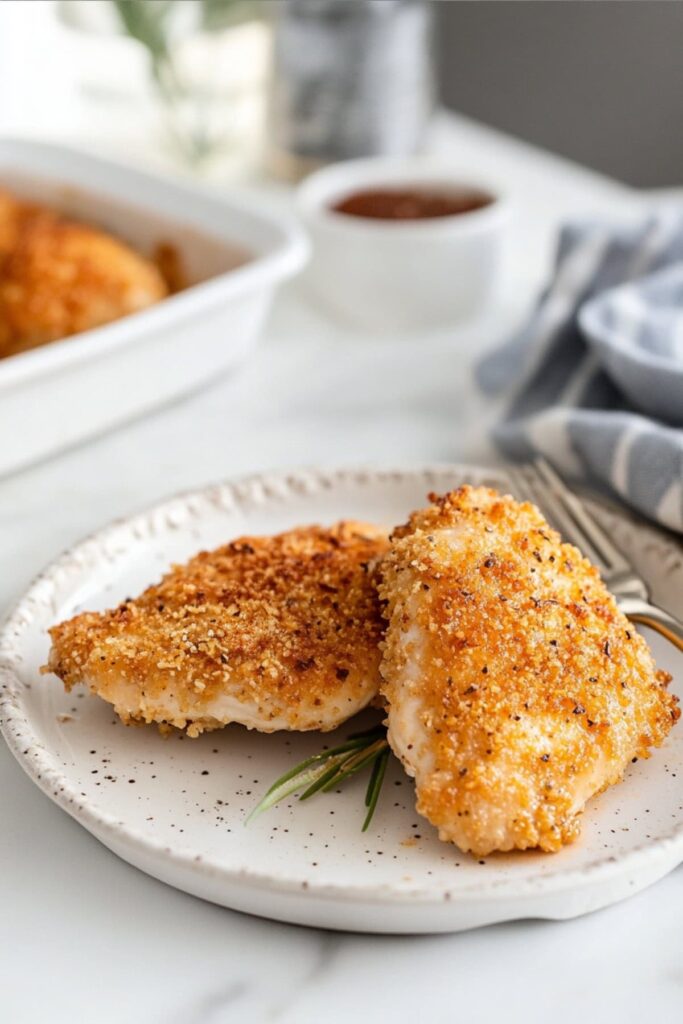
54, 396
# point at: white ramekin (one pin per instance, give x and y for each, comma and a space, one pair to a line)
384, 275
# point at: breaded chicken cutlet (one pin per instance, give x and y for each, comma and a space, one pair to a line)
516, 689
59, 277
274, 632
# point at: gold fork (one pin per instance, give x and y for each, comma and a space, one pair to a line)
538, 482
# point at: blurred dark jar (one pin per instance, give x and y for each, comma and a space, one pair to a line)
351, 78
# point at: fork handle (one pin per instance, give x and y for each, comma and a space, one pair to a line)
638, 610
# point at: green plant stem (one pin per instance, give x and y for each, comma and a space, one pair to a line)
328, 769
375, 785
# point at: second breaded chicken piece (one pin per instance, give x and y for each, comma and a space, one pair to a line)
516, 689
273, 632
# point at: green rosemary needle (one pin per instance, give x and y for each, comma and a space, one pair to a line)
328, 769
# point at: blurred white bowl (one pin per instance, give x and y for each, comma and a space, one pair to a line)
69, 390
401, 275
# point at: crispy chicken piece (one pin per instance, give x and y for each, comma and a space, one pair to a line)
273, 632
516, 688
59, 277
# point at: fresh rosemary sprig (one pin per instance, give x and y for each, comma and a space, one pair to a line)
328, 769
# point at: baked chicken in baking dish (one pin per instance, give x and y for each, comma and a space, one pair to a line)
59, 277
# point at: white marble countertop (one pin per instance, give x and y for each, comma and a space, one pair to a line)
85, 937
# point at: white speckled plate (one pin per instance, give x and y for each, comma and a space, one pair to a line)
175, 808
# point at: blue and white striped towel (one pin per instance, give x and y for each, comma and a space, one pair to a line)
596, 373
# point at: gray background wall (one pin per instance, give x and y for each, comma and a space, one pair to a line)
601, 82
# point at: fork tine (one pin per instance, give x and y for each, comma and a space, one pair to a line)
610, 556
529, 483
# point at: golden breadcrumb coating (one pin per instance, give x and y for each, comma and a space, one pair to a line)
59, 277
516, 688
274, 632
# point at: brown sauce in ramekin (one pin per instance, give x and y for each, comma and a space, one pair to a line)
411, 203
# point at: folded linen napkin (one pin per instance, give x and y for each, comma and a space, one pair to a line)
596, 375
